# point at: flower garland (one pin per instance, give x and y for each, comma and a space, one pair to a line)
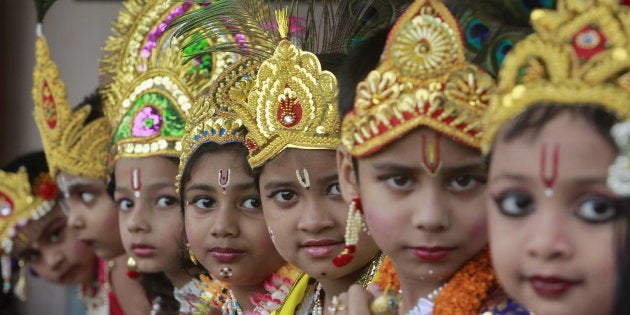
466, 291
278, 286
386, 277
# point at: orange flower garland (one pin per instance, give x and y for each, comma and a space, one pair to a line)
386, 277
468, 288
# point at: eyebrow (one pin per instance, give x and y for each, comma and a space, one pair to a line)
58, 223
206, 187
468, 168
392, 167
77, 186
155, 186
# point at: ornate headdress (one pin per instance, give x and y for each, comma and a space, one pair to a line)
212, 119
19, 205
580, 54
423, 80
70, 144
148, 91
293, 103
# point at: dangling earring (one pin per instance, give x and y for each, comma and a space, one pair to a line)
353, 229
191, 255
273, 238
20, 286
132, 269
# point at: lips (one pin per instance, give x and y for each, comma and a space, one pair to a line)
551, 287
142, 250
431, 254
88, 243
321, 248
226, 254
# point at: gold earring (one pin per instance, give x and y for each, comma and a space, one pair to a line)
191, 255
132, 268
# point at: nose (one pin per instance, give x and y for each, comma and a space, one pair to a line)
138, 220
549, 236
315, 216
225, 223
76, 219
430, 210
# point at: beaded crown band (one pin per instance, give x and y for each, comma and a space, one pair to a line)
21, 203
423, 80
580, 54
292, 103
212, 118
148, 91
70, 145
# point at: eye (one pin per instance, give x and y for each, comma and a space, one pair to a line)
283, 196
55, 235
464, 183
251, 203
597, 210
515, 203
399, 182
87, 197
204, 202
166, 201
334, 190
124, 204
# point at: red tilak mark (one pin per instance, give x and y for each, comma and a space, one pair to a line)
431, 156
136, 184
547, 179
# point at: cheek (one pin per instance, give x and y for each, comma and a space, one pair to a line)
380, 224
196, 230
478, 228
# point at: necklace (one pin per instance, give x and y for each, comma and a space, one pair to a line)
368, 274
425, 305
155, 306
232, 306
317, 304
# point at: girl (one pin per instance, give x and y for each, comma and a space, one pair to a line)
223, 216
33, 229
560, 91
148, 94
75, 143
291, 117
411, 158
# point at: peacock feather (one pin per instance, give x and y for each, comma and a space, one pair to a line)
42, 6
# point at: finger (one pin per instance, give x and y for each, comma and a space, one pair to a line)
359, 299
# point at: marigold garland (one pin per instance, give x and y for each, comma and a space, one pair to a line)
386, 277
468, 288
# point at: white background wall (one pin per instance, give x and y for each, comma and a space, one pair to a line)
75, 30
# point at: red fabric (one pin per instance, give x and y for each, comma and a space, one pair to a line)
114, 306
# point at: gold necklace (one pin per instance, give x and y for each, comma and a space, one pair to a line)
368, 274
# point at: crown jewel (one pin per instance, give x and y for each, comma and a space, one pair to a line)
423, 80
580, 54
148, 91
70, 145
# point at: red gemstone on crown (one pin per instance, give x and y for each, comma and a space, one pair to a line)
290, 109
589, 42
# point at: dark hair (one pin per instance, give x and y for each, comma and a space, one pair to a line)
34, 163
535, 118
622, 304
361, 60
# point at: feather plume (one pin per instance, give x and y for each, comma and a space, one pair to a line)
328, 26
42, 6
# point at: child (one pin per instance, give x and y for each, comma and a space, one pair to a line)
148, 95
411, 159
551, 214
223, 216
75, 143
33, 229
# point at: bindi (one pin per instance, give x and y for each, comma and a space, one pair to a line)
224, 179
136, 183
305, 180
549, 163
431, 154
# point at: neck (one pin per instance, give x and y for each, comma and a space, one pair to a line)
413, 290
242, 294
178, 277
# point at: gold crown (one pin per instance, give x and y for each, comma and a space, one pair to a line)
70, 145
579, 55
212, 119
423, 80
19, 204
148, 91
293, 103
